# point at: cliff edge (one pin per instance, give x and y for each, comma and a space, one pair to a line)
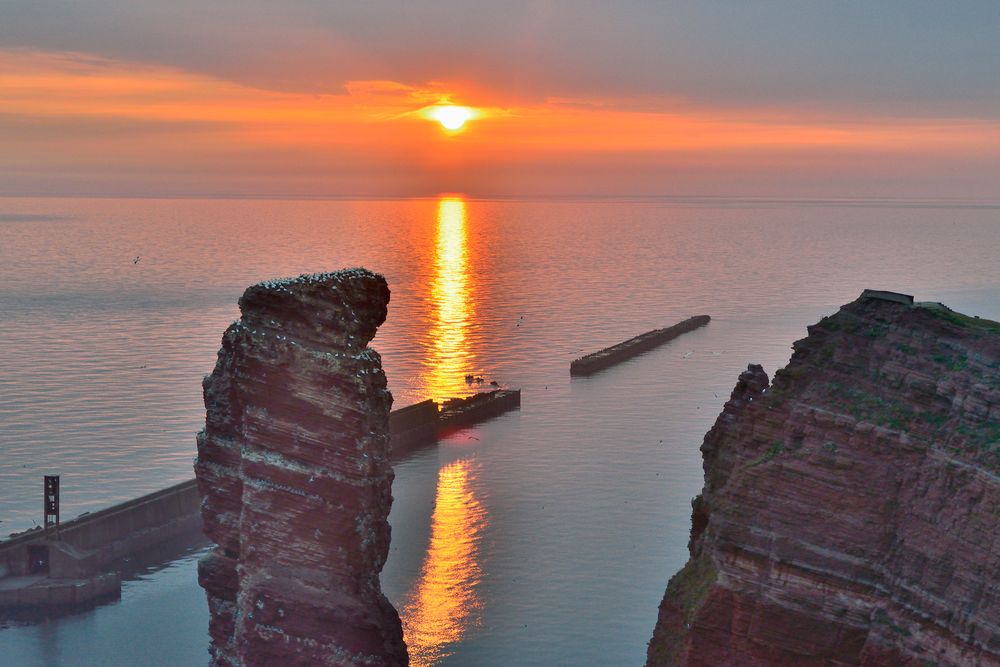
293, 468
851, 509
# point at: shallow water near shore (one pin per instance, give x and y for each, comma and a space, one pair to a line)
543, 537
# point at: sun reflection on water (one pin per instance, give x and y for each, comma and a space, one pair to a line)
445, 602
449, 356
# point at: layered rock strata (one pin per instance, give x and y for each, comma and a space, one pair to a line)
293, 468
851, 510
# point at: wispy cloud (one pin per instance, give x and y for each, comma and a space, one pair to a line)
92, 122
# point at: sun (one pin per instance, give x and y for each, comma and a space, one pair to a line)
451, 117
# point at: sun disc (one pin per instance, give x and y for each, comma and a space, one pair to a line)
452, 118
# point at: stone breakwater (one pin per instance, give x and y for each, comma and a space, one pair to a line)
293, 468
609, 356
851, 509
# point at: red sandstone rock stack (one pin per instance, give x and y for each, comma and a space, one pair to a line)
293, 467
851, 511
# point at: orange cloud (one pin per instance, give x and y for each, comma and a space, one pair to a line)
77, 111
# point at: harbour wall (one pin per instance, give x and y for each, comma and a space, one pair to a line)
93, 540
618, 353
115, 531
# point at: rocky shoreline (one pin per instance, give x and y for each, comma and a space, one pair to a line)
850, 509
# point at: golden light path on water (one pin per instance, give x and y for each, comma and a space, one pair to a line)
449, 356
445, 602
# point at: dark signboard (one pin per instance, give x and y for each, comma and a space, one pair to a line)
51, 499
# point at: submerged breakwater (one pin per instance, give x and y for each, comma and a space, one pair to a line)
609, 356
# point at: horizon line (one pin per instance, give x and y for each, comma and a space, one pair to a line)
847, 201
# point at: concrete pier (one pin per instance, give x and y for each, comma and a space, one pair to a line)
93, 540
39, 569
457, 413
413, 426
72, 567
423, 423
616, 354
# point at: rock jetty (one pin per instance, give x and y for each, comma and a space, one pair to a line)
609, 356
851, 510
293, 468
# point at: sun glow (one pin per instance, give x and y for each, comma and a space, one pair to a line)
451, 292
446, 603
451, 118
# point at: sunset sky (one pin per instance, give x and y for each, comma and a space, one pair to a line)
763, 99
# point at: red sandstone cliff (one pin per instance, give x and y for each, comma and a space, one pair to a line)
850, 511
294, 472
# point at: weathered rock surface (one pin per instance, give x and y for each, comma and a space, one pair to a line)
851, 510
293, 468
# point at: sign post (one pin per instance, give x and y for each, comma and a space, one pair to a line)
52, 503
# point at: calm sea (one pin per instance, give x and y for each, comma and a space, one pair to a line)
545, 537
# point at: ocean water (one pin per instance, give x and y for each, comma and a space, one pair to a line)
544, 537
